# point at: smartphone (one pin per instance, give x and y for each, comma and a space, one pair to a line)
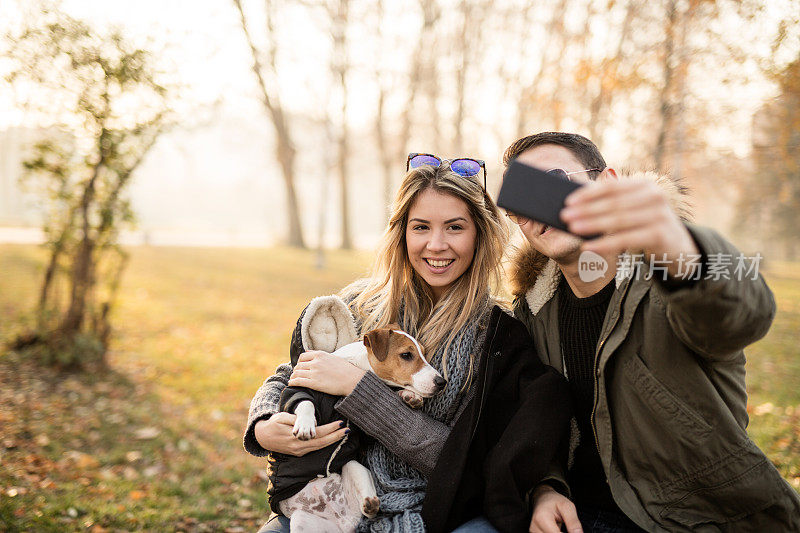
535, 194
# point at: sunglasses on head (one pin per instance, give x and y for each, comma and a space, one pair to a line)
463, 166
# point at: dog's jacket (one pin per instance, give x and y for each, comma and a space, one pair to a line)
327, 325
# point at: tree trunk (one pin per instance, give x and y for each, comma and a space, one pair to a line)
340, 68
384, 153
55, 254
608, 75
284, 147
666, 109
82, 275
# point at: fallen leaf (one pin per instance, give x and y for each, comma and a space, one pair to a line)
133, 456
82, 460
147, 433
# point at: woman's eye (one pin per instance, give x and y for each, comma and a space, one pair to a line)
420, 227
456, 227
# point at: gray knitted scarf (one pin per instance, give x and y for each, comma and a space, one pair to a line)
401, 488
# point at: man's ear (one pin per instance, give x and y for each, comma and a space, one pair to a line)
609, 174
377, 341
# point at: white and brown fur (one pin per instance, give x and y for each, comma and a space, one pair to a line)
337, 502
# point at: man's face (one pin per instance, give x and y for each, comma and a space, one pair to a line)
556, 244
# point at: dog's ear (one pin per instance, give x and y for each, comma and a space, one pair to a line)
377, 341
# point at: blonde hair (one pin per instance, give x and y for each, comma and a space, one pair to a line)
394, 282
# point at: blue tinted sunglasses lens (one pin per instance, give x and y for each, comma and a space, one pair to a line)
422, 159
465, 167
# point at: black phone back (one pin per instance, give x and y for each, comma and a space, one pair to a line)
535, 194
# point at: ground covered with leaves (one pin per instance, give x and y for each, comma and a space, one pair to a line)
154, 442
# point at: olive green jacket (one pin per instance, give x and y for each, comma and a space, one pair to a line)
669, 414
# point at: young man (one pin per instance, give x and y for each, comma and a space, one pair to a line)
653, 356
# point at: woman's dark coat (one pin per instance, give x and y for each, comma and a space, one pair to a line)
503, 442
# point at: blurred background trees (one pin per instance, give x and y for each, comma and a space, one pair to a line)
653, 83
770, 201
101, 109
307, 138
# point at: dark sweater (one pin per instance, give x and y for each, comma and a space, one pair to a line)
580, 321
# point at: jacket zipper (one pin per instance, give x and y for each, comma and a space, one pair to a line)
489, 364
596, 370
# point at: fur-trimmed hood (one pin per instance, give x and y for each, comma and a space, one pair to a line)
536, 277
327, 324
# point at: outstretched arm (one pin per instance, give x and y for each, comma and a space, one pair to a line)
714, 317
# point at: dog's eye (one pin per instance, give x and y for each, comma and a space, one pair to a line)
406, 356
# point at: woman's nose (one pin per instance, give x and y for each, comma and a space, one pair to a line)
437, 242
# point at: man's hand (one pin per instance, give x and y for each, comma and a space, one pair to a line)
275, 435
630, 215
551, 510
324, 372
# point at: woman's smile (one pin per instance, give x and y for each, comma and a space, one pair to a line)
439, 266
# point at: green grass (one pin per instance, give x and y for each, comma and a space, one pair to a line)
155, 444
197, 331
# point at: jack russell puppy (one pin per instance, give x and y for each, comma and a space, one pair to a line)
328, 490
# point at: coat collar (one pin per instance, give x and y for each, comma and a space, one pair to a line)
536, 277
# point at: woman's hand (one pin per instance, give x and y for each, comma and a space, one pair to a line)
327, 373
275, 435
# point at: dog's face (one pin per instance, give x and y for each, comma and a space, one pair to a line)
396, 357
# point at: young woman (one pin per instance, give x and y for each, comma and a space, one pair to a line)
475, 449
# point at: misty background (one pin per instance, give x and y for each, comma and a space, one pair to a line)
689, 87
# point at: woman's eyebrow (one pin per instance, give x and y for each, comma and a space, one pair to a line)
446, 221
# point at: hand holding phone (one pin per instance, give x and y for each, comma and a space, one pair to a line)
535, 194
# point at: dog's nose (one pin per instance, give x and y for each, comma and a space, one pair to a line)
440, 382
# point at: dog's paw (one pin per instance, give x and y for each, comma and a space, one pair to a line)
370, 506
412, 399
305, 429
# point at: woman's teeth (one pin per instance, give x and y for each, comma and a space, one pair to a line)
439, 263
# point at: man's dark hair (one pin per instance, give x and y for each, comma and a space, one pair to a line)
582, 148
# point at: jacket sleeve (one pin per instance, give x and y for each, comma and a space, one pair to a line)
529, 447
263, 405
718, 317
266, 401
408, 433
291, 396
